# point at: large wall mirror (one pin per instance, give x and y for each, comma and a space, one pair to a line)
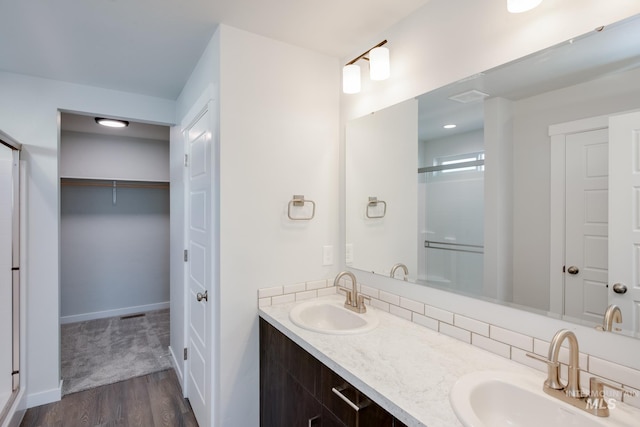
505, 186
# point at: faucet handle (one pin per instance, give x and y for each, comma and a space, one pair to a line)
553, 371
596, 388
360, 301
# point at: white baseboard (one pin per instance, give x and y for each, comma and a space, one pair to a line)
177, 366
113, 313
44, 397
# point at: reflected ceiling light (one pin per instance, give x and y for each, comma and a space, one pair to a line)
450, 126
112, 123
518, 6
379, 68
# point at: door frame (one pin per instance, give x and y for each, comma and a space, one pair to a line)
558, 135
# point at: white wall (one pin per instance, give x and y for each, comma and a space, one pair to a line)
29, 111
479, 36
382, 161
87, 155
278, 137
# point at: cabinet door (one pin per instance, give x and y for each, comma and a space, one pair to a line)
349, 405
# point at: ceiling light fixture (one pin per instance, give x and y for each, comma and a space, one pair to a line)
451, 126
519, 6
379, 68
112, 123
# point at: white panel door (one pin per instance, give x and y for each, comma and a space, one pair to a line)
586, 228
198, 137
624, 216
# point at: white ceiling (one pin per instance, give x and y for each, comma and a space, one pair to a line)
151, 46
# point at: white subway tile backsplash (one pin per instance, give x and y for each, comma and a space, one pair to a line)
282, 299
367, 290
633, 398
472, 325
612, 371
390, 298
269, 292
264, 302
457, 333
512, 338
298, 287
400, 312
306, 295
380, 305
331, 290
437, 313
316, 284
490, 345
409, 304
520, 356
425, 321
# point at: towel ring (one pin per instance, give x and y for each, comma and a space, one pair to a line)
299, 201
373, 202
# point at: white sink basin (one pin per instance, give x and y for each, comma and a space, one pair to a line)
500, 399
330, 317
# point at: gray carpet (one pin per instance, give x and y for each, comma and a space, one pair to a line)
105, 351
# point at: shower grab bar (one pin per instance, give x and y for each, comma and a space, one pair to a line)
299, 201
473, 249
373, 202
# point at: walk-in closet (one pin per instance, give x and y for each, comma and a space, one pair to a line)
114, 251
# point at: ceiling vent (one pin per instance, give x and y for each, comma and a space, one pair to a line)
469, 96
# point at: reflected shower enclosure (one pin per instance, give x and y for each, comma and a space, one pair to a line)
451, 212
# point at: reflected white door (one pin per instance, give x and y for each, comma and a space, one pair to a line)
586, 227
199, 270
6, 320
624, 216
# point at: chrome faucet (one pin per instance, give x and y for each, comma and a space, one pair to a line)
397, 266
354, 301
613, 314
593, 402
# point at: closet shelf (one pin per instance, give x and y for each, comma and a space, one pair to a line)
120, 183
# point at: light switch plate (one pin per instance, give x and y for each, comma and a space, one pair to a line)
348, 256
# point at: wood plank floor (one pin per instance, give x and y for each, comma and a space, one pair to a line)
152, 400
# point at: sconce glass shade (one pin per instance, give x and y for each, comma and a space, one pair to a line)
379, 63
518, 6
351, 78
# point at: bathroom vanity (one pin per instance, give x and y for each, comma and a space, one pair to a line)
297, 389
405, 370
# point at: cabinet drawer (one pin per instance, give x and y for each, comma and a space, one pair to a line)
350, 405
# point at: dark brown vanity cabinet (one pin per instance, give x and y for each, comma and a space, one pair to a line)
297, 390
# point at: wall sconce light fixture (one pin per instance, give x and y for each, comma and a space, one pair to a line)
518, 6
378, 68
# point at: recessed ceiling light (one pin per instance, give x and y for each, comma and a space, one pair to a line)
112, 123
451, 126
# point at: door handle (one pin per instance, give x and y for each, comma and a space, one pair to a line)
201, 296
573, 270
620, 288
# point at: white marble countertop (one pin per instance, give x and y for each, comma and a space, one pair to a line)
404, 367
